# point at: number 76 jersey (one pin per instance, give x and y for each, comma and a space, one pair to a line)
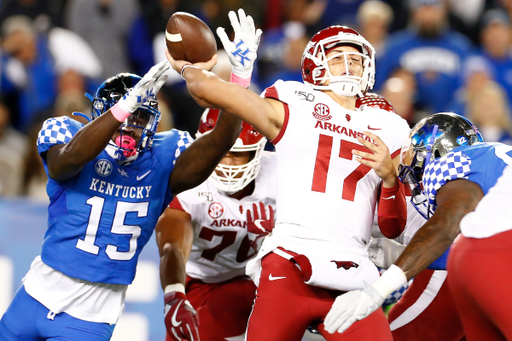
326, 198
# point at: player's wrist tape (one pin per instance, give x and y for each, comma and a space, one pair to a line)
186, 66
391, 280
119, 113
174, 287
245, 82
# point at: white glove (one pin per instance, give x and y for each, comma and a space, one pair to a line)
242, 51
351, 307
383, 252
146, 88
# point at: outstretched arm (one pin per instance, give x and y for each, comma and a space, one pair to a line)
174, 236
66, 160
454, 201
209, 91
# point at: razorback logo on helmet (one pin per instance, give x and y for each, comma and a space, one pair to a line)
216, 210
345, 264
322, 112
373, 100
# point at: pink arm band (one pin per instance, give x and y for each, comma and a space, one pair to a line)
119, 113
245, 82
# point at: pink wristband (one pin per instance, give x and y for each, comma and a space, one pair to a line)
245, 82
119, 113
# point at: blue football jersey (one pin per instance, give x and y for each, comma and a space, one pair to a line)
99, 221
481, 163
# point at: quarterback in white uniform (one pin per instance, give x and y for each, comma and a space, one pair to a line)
216, 228
333, 164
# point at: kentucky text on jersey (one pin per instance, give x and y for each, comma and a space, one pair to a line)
108, 188
341, 130
229, 222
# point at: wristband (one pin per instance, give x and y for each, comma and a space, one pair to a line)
186, 66
245, 82
392, 279
174, 287
118, 113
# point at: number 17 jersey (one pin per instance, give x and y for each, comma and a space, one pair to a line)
326, 198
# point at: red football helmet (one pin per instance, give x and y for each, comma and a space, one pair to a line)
315, 69
248, 140
374, 100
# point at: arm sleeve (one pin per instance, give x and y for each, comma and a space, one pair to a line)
392, 211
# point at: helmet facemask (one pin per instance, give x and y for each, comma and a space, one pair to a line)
316, 70
144, 121
233, 178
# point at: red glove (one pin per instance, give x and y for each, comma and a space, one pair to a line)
375, 100
181, 320
260, 226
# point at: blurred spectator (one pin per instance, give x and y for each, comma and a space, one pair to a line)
275, 51
476, 71
495, 46
429, 50
44, 13
489, 111
288, 61
105, 25
464, 16
400, 91
374, 18
34, 175
318, 14
33, 63
13, 146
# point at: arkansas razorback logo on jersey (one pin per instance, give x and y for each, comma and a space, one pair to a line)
345, 264
216, 210
322, 112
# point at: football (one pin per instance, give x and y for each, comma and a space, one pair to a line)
188, 38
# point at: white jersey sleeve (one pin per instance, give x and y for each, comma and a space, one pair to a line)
221, 246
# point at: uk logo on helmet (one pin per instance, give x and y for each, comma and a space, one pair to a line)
322, 112
216, 210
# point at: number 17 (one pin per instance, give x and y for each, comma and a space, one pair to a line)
323, 158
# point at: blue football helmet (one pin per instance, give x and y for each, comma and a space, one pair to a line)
146, 118
431, 138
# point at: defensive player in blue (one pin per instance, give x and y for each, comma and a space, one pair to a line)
109, 181
449, 169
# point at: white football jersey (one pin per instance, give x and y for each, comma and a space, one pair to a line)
326, 199
221, 250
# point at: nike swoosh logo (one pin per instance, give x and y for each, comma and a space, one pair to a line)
174, 322
272, 278
391, 197
370, 128
257, 222
143, 175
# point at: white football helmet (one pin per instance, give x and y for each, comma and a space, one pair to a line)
315, 69
234, 178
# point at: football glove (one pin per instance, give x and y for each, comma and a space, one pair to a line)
351, 307
242, 50
180, 317
145, 89
260, 226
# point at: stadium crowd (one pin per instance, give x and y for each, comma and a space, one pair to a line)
447, 55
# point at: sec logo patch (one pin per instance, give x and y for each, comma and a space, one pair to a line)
322, 112
103, 167
216, 210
